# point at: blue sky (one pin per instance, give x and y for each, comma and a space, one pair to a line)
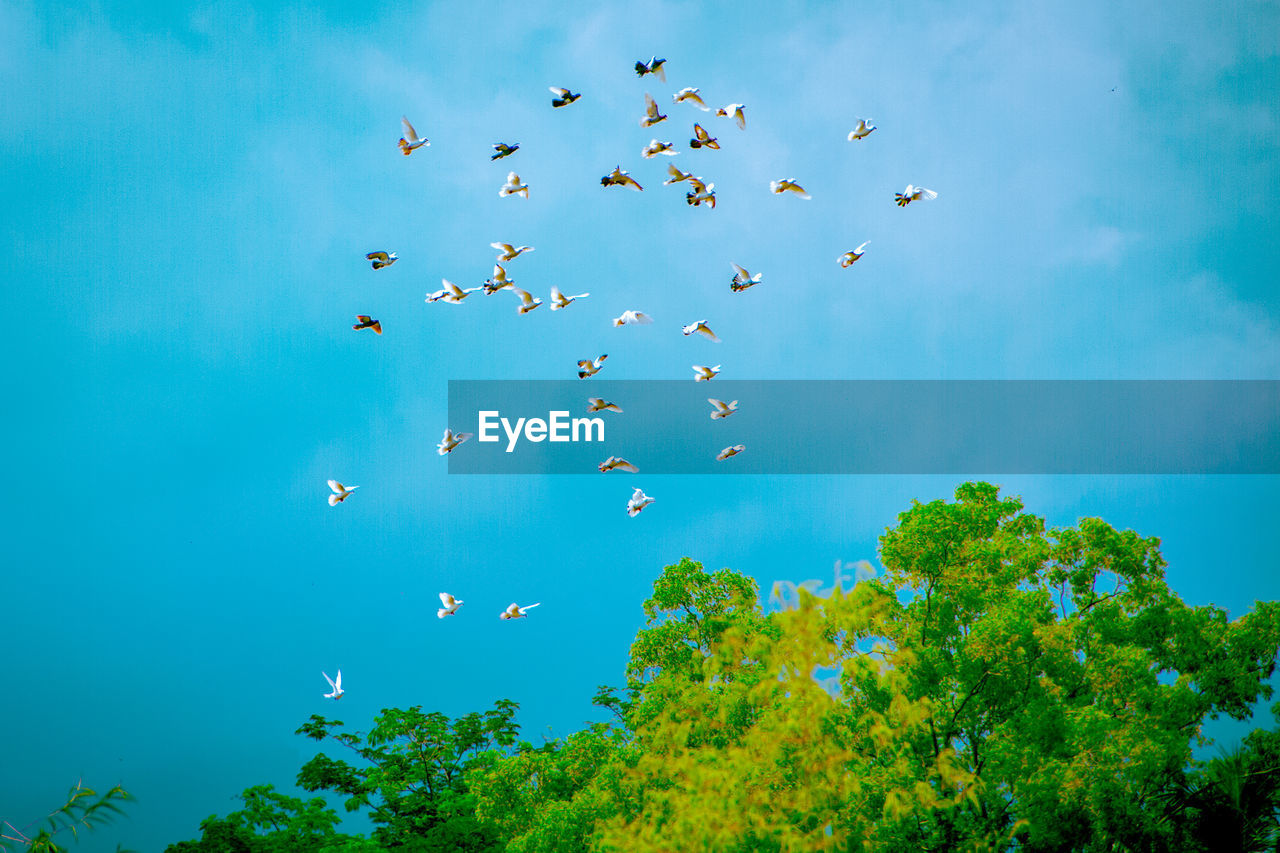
186, 198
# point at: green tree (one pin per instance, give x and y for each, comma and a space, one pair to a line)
1002, 686
411, 775
270, 822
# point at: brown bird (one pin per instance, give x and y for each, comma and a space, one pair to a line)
619, 178
589, 367
702, 139
367, 322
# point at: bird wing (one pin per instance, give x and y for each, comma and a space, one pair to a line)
336, 486
650, 106
862, 248
557, 91
742, 274
719, 404
330, 680
624, 465
409, 133
453, 288
556, 296
446, 599
529, 607
525, 296
706, 332
376, 256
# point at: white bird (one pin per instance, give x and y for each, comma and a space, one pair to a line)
632, 318
730, 451
743, 279
734, 111
513, 186
498, 281
701, 193
913, 193
788, 185
862, 131
381, 259
599, 404
450, 293
701, 328
620, 178
563, 97
451, 440
591, 368
702, 139
656, 147
705, 374
450, 605
340, 492
847, 259
651, 114
653, 66
510, 252
723, 409
527, 300
336, 684
676, 175
410, 142
639, 500
690, 93
559, 300
617, 463
515, 611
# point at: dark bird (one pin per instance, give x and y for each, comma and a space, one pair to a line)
653, 66
504, 150
367, 322
563, 97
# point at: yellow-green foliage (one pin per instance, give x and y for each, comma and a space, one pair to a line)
1000, 687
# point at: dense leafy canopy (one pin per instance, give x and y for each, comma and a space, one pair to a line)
1001, 686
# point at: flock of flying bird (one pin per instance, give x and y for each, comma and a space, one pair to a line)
701, 193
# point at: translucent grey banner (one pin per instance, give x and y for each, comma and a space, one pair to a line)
869, 427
